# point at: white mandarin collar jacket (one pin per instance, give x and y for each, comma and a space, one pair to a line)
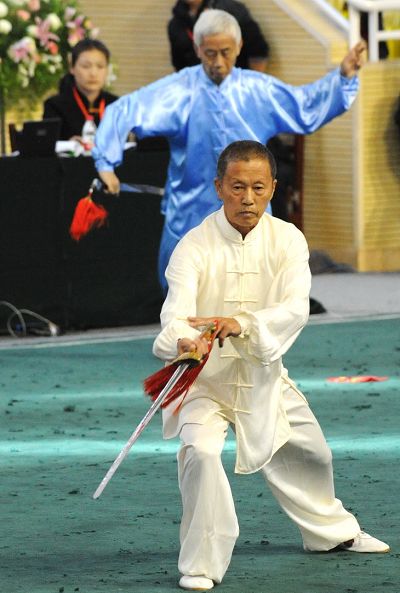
263, 281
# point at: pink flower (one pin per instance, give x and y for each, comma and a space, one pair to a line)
43, 32
22, 50
69, 13
24, 15
77, 31
34, 5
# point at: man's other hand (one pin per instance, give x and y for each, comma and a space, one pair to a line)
354, 60
227, 326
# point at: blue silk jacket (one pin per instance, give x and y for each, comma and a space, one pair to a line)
200, 118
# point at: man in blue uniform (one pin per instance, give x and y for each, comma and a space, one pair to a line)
202, 109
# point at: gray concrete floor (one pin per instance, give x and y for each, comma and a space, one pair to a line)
347, 296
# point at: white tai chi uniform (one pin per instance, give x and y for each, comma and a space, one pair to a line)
263, 281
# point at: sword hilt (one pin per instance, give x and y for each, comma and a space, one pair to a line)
193, 358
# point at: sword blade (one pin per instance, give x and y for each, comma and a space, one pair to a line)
137, 188
141, 188
141, 426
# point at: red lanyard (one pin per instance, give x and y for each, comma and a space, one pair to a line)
82, 106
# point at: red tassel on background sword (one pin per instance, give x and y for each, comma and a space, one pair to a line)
87, 215
154, 384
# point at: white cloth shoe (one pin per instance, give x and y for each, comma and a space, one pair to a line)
363, 542
195, 583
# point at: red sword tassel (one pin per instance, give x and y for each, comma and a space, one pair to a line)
154, 384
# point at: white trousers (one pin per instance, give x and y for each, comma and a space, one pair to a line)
300, 477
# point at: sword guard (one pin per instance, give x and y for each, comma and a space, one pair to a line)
192, 358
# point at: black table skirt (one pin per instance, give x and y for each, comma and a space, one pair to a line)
108, 278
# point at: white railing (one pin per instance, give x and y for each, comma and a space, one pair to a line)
334, 15
373, 7
352, 26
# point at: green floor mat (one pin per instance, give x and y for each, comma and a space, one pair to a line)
67, 411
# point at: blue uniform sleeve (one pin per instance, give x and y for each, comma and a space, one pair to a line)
304, 109
158, 109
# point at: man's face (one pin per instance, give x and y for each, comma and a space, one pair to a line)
218, 55
245, 190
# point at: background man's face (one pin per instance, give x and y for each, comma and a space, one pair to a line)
245, 190
218, 55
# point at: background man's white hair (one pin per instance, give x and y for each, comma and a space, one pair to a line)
214, 22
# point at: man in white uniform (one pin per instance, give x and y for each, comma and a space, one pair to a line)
249, 272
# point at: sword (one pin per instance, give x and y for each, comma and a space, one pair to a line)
142, 425
137, 188
183, 362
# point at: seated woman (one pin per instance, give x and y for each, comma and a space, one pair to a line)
81, 96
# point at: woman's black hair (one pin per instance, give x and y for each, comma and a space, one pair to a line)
87, 45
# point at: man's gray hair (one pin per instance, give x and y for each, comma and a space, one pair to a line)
214, 22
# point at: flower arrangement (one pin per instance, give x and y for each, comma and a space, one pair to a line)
36, 37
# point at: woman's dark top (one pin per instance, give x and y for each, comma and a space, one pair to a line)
64, 107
